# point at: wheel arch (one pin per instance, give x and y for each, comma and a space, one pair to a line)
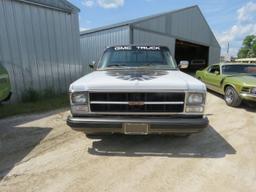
227, 85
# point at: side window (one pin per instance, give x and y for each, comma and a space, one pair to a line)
217, 69
214, 68
209, 69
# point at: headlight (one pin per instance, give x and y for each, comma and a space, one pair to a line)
195, 98
253, 91
78, 98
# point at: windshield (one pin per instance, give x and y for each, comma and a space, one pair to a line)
137, 57
239, 69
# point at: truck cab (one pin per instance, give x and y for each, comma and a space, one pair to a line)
137, 90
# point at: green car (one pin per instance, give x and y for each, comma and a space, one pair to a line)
5, 86
237, 82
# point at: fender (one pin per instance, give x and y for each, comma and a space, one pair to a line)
223, 85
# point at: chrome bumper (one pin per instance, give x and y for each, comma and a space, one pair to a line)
154, 125
248, 96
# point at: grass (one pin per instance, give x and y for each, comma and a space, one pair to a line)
29, 107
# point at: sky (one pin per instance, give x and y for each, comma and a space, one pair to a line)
230, 20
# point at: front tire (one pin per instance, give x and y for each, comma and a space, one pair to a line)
231, 97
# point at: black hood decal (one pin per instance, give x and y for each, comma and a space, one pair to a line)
137, 75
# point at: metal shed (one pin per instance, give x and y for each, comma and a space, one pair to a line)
39, 44
184, 31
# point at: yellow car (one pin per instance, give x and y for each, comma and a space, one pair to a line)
237, 82
5, 85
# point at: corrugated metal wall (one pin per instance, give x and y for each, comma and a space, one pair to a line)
187, 24
214, 55
40, 47
144, 37
93, 44
191, 25
155, 24
59, 4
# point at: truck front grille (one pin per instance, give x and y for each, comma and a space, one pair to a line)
137, 102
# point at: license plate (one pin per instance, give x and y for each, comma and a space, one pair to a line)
136, 128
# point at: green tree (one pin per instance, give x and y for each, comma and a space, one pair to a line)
248, 50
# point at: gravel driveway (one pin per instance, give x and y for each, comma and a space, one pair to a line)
40, 153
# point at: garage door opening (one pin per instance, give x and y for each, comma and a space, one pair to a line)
197, 55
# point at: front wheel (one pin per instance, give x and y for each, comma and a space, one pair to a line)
231, 97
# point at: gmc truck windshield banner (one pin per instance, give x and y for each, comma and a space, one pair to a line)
144, 48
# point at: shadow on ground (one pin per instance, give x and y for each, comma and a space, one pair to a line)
17, 141
207, 144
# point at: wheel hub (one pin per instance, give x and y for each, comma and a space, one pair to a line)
229, 96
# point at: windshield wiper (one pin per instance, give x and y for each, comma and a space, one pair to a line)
151, 64
157, 66
116, 65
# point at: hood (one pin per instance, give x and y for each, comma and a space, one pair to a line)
137, 80
249, 80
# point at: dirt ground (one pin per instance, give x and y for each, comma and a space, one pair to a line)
40, 153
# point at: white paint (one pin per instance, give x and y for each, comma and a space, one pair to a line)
103, 81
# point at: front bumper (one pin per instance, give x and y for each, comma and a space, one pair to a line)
248, 96
155, 125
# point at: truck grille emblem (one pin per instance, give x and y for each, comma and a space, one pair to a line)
136, 103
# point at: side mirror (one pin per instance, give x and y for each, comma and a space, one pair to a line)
183, 64
216, 72
92, 65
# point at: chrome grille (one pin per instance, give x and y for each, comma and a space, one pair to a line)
137, 102
245, 89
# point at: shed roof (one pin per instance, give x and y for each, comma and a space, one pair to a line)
62, 5
134, 21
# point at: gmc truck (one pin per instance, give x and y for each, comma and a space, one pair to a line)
137, 90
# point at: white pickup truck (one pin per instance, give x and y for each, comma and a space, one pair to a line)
137, 90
